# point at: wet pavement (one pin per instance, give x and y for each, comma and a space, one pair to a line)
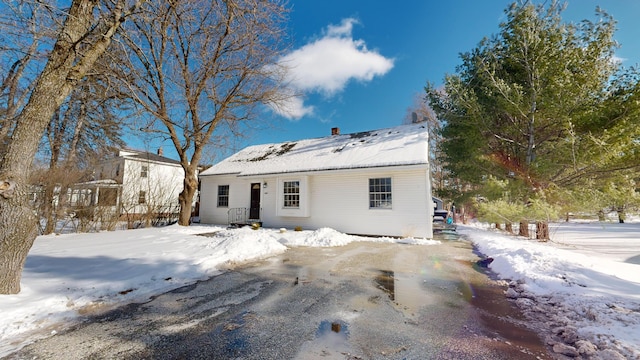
365, 300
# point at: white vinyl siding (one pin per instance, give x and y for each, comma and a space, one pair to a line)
162, 185
340, 200
333, 199
239, 196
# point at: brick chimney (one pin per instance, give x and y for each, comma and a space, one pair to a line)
335, 131
160, 152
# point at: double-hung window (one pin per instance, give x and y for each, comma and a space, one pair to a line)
142, 197
223, 195
292, 196
291, 192
380, 193
144, 171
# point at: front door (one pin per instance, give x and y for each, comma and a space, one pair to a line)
254, 210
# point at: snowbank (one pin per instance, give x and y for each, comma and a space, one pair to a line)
577, 288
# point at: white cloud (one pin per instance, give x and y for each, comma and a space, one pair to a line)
344, 29
292, 108
327, 64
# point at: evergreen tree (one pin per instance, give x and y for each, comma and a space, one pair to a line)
543, 103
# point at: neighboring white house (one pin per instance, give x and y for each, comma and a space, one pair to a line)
150, 182
132, 183
369, 183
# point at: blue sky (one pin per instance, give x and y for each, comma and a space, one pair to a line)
367, 60
421, 41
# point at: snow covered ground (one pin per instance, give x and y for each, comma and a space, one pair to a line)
582, 288
68, 275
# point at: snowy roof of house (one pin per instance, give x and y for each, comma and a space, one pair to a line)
401, 145
146, 156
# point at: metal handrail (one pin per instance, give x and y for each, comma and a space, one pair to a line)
237, 215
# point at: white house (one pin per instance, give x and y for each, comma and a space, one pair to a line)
369, 183
132, 183
150, 182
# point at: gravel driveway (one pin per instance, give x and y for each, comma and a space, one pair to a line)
365, 300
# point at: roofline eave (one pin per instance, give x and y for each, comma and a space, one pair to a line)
353, 168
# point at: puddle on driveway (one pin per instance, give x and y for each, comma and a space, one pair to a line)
331, 342
386, 282
333, 332
406, 290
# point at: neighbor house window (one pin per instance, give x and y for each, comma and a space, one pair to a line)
143, 172
291, 190
380, 193
223, 195
142, 197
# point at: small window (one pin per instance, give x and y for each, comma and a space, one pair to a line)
142, 197
380, 193
291, 190
223, 195
144, 171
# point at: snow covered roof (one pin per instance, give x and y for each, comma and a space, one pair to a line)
146, 156
401, 145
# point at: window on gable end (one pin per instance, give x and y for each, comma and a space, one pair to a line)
380, 193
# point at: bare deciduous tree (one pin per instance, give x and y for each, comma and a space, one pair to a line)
420, 112
87, 31
86, 125
26, 30
199, 64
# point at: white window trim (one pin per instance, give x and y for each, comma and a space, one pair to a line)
291, 195
369, 193
303, 209
218, 196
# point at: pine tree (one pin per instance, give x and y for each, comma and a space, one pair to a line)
542, 103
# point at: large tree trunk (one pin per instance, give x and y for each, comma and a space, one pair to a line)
18, 230
18, 226
67, 64
186, 196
